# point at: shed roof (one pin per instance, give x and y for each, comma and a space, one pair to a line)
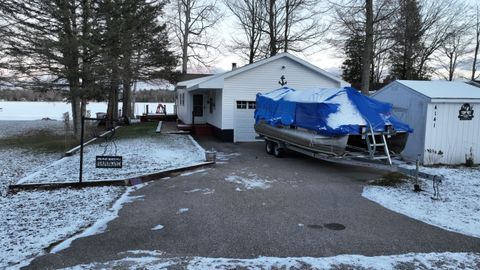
216, 81
443, 89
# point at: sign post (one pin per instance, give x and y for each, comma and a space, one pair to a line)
81, 149
100, 161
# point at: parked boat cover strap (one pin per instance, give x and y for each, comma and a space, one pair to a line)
330, 112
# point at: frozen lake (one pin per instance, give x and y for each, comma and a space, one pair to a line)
35, 110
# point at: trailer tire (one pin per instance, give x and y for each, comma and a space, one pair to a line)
278, 151
269, 145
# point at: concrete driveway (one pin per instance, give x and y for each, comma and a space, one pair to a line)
252, 204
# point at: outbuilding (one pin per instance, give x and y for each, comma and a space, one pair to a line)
225, 102
444, 115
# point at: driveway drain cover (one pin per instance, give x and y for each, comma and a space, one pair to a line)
315, 226
334, 226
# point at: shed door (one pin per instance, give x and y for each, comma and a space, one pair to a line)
243, 121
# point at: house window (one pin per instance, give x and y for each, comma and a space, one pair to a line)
242, 104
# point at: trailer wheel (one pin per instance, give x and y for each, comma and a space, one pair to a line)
278, 151
269, 145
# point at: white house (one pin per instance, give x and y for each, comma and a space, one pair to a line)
445, 117
226, 101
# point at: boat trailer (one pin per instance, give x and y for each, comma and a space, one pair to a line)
354, 156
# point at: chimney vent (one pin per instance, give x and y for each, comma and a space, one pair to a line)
234, 66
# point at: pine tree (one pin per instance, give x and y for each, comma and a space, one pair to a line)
352, 66
408, 34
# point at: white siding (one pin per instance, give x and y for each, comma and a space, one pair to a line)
184, 112
264, 78
214, 118
411, 108
454, 137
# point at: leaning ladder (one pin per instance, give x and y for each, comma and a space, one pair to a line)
372, 145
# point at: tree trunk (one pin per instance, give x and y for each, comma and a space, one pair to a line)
186, 31
112, 108
451, 67
475, 57
251, 55
367, 51
287, 24
127, 82
272, 27
76, 114
83, 107
127, 96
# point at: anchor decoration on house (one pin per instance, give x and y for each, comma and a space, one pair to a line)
282, 81
466, 112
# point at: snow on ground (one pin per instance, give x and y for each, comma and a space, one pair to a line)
140, 156
100, 224
222, 158
16, 163
247, 180
158, 227
204, 191
457, 210
31, 221
412, 261
182, 210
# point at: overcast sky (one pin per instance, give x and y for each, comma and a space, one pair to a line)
325, 56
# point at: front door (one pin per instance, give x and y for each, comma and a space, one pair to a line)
198, 108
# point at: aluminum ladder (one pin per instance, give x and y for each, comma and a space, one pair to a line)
372, 145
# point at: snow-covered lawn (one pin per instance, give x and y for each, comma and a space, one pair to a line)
31, 221
141, 156
17, 163
152, 260
458, 208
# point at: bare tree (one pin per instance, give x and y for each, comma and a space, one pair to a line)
302, 27
477, 42
249, 14
438, 19
380, 21
293, 25
453, 50
191, 24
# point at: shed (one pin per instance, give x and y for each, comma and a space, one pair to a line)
443, 115
225, 102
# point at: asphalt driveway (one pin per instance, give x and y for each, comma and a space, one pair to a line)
251, 204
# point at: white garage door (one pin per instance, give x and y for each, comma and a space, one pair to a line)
243, 121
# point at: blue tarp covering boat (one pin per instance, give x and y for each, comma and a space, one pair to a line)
329, 112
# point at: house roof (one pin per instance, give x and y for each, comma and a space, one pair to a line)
443, 89
216, 81
190, 76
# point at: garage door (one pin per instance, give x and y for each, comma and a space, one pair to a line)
243, 121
